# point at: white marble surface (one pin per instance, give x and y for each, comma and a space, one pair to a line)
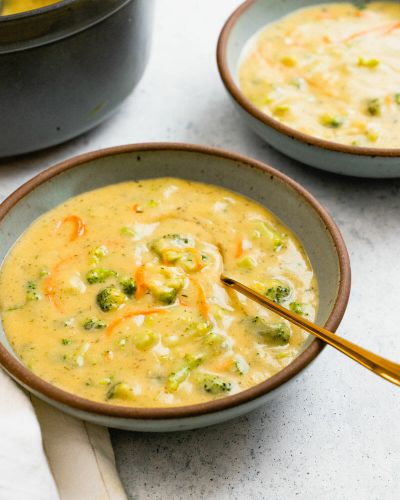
338, 434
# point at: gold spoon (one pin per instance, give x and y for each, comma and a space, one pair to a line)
381, 366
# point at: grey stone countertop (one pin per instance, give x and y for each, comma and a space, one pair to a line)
337, 434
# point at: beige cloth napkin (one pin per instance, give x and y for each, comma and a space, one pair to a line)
46, 455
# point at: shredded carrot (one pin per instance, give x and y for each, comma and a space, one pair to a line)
140, 282
388, 101
79, 227
50, 285
394, 27
137, 208
203, 306
196, 254
239, 249
111, 327
386, 29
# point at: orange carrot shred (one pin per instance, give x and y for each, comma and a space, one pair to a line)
79, 227
386, 30
239, 249
147, 312
140, 282
203, 305
49, 284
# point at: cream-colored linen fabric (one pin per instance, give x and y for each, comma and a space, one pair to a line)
47, 455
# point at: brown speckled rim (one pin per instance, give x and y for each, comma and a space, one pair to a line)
20, 373
242, 101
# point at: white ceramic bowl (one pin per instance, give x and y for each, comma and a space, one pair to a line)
289, 201
247, 20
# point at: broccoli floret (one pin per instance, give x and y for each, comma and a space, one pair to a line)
166, 284
99, 275
128, 286
110, 299
278, 293
296, 308
175, 379
170, 241
94, 324
120, 391
213, 384
31, 291
331, 121
374, 107
275, 333
97, 254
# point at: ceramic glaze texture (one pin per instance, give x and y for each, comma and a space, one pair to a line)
249, 19
70, 78
321, 240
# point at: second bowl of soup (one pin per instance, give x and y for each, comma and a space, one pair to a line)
319, 80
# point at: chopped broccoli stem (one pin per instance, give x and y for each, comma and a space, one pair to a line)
175, 379
397, 98
128, 286
374, 107
368, 63
276, 333
247, 263
331, 121
31, 292
99, 275
296, 308
94, 324
145, 340
166, 283
213, 384
127, 231
97, 254
278, 293
121, 390
110, 299
281, 110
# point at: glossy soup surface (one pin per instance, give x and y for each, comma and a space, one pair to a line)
115, 294
331, 71
17, 6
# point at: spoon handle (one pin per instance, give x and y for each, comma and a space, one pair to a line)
380, 366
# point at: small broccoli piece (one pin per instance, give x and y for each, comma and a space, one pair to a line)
94, 324
296, 308
278, 293
397, 98
276, 333
241, 366
99, 275
65, 341
97, 254
213, 384
175, 379
166, 283
31, 292
171, 241
110, 299
128, 286
127, 231
374, 107
121, 390
145, 340
266, 231
331, 121
368, 63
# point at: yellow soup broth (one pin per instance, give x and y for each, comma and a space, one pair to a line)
115, 295
17, 6
331, 71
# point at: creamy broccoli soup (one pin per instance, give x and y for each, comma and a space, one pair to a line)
17, 6
115, 295
330, 71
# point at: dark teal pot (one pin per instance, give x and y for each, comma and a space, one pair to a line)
65, 68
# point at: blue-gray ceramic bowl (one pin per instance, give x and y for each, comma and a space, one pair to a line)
66, 67
247, 20
287, 199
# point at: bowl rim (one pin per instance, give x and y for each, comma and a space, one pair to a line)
37, 385
242, 101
